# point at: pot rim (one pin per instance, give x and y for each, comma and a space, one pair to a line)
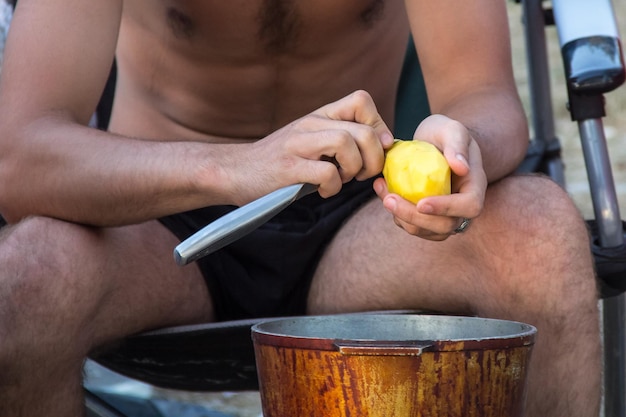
316, 333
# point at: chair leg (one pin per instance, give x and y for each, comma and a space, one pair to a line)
610, 235
614, 334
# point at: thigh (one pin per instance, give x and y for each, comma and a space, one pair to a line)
373, 264
149, 286
97, 284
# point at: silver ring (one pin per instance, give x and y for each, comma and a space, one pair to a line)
465, 222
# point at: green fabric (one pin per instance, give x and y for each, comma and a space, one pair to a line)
411, 101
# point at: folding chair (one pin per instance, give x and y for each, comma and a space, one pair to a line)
593, 65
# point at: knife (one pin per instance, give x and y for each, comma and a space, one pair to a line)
238, 223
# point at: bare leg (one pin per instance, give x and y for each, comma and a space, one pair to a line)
526, 258
65, 289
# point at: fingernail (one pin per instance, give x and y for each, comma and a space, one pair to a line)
390, 204
461, 158
386, 139
426, 208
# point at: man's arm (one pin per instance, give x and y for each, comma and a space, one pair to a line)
478, 121
57, 60
51, 164
464, 49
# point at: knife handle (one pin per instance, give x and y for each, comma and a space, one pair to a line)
238, 223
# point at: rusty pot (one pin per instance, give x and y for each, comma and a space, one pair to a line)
392, 365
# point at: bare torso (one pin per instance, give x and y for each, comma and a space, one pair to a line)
240, 69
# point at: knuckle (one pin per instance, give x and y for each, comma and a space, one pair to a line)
306, 123
328, 174
457, 129
330, 187
474, 207
458, 125
343, 139
361, 97
455, 125
351, 170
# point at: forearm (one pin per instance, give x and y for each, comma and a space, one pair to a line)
469, 75
79, 174
496, 120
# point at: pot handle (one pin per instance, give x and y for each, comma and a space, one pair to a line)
382, 348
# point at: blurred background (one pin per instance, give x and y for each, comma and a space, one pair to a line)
566, 130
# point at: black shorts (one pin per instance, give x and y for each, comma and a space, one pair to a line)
268, 272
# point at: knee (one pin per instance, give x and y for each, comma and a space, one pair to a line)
539, 245
535, 211
41, 249
39, 288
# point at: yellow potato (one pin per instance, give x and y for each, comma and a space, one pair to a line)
416, 169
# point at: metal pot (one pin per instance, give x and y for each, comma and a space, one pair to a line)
392, 365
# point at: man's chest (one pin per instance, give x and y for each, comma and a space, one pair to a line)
270, 26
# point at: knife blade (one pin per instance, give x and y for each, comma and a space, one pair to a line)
238, 223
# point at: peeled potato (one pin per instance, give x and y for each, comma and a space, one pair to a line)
416, 169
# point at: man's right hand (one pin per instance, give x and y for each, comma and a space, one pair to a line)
336, 143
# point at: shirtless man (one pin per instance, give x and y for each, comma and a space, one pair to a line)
221, 102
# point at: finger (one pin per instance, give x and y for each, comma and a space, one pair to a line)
364, 145
380, 188
331, 166
467, 199
409, 218
343, 152
422, 232
325, 175
355, 147
466, 204
452, 137
335, 147
450, 206
331, 186
429, 231
359, 107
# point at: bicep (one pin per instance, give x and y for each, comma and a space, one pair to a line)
58, 56
463, 46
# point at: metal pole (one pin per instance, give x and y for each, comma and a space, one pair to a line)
542, 117
610, 234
